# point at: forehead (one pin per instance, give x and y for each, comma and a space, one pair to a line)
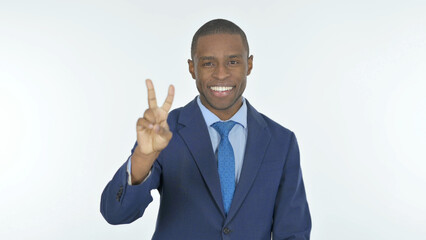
222, 44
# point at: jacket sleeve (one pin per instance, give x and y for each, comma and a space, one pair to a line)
292, 220
123, 203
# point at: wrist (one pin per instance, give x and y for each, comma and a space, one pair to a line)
141, 164
140, 156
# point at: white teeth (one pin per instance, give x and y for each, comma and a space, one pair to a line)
220, 88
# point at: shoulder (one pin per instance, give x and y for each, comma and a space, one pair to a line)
264, 120
276, 128
173, 117
277, 131
184, 115
280, 139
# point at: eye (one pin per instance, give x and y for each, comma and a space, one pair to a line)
233, 62
207, 64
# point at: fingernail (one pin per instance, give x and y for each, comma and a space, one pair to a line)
150, 126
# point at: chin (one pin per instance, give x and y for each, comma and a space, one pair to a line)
223, 105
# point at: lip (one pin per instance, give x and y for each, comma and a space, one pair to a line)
223, 90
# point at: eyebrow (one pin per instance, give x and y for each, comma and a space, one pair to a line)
235, 56
203, 58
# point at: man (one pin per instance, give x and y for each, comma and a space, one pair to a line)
223, 170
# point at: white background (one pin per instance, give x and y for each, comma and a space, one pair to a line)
348, 77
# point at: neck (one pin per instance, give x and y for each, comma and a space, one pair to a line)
224, 114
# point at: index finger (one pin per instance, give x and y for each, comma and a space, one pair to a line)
152, 100
169, 100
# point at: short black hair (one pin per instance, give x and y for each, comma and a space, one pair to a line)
217, 26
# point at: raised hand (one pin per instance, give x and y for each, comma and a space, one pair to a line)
153, 133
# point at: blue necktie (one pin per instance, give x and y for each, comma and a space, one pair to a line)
226, 163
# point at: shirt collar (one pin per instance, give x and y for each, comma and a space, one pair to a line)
240, 116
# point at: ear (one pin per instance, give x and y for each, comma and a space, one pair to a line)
249, 64
191, 68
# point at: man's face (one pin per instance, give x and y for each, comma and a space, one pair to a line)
220, 68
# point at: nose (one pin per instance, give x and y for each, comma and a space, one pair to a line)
221, 72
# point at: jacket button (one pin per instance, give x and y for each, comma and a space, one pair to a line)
226, 230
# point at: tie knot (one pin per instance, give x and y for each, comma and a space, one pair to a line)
223, 128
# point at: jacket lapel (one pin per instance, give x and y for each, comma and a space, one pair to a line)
257, 142
197, 138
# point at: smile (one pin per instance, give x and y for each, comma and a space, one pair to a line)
220, 88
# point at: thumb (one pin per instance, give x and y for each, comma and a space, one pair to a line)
163, 132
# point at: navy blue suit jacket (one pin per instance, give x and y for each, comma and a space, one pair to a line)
269, 199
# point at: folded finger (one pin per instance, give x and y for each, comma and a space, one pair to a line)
163, 132
143, 123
